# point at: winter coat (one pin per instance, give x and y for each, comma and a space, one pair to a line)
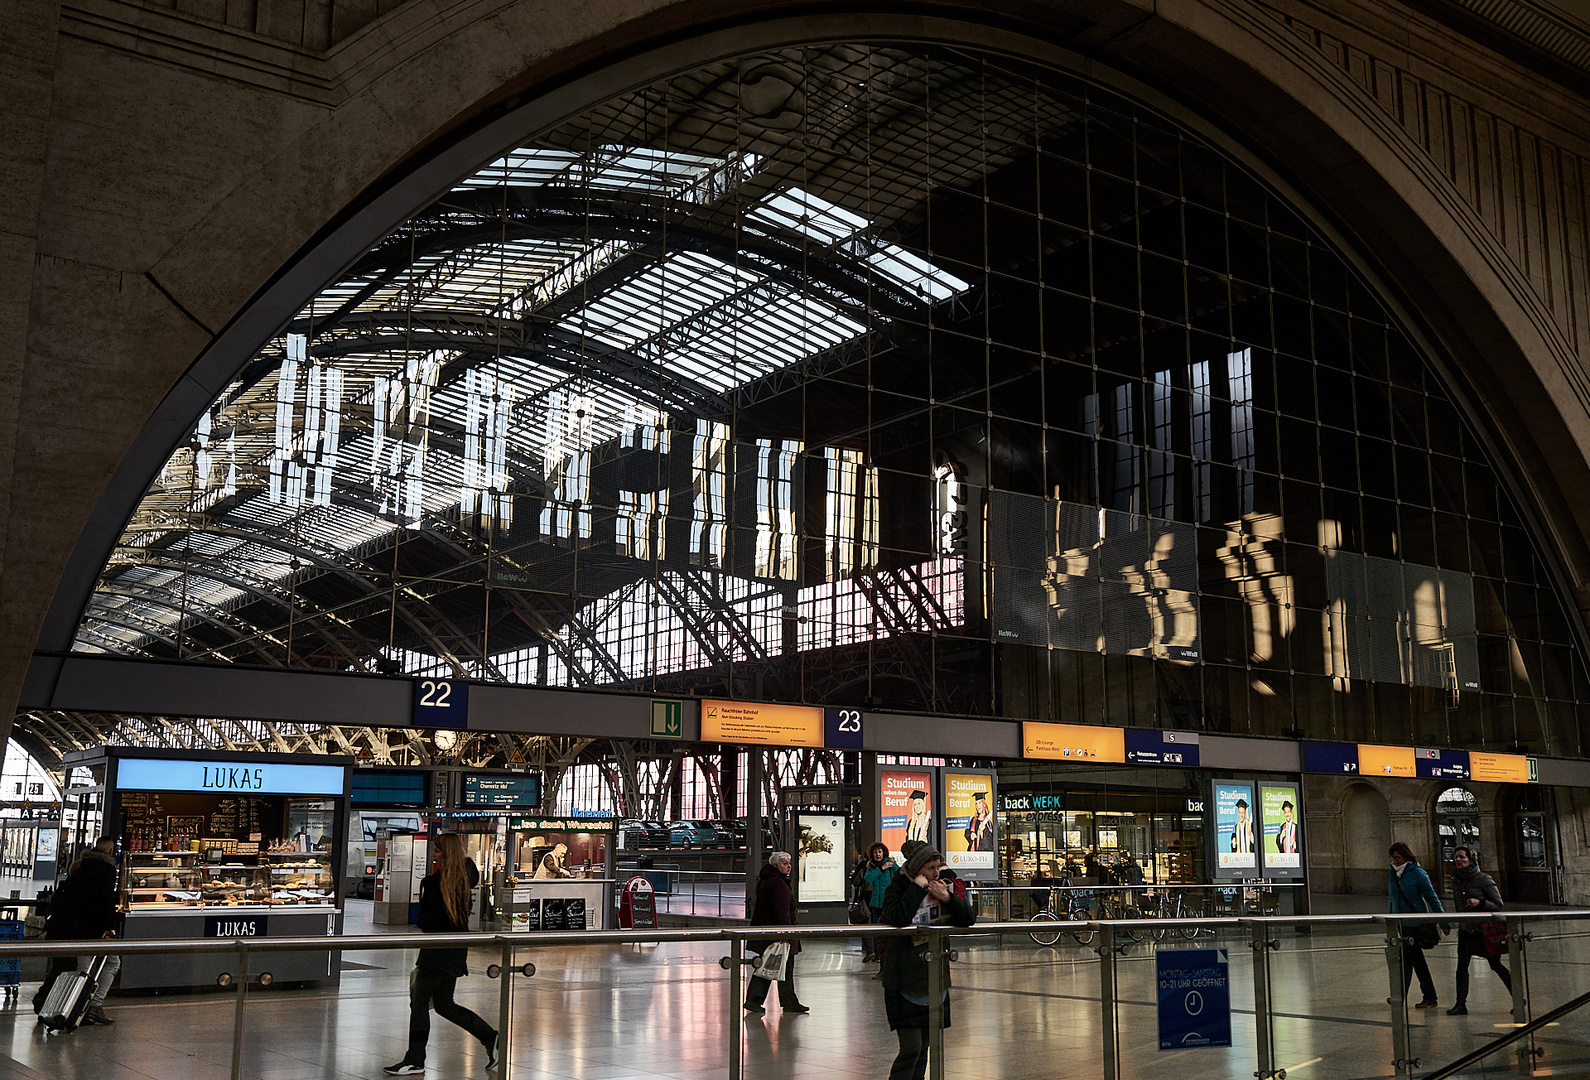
905, 963
775, 906
878, 880
1474, 883
84, 907
1413, 886
434, 919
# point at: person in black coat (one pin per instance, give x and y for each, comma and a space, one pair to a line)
775, 906
917, 897
444, 909
83, 909
1473, 890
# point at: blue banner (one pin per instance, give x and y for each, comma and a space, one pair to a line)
1194, 998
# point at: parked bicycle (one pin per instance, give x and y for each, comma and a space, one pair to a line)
1176, 906
1113, 905
1066, 906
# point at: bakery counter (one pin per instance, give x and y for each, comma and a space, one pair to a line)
228, 922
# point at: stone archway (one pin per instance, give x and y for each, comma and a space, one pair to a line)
1366, 833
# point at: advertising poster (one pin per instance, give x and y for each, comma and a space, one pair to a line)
971, 828
820, 858
1283, 830
1236, 835
906, 798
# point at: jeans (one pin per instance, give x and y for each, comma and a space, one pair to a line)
1414, 963
1471, 945
432, 990
912, 1061
106, 977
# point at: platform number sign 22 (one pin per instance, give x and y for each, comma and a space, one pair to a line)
441, 703
842, 729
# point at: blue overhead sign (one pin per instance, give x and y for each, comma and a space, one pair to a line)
1338, 758
842, 729
1162, 747
1435, 764
441, 703
229, 777
1194, 989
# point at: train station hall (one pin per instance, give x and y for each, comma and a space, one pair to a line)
1054, 533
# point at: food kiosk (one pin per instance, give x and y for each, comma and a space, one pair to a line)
222, 845
576, 896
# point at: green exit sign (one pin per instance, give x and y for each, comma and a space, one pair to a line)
666, 719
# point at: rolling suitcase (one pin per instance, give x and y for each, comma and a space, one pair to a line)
68, 1001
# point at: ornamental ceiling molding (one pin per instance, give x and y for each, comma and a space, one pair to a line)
1523, 197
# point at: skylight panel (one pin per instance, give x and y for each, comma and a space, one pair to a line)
528, 168
915, 273
808, 214
659, 299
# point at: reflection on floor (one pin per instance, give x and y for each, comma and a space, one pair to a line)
606, 1013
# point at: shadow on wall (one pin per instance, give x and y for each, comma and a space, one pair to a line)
1366, 829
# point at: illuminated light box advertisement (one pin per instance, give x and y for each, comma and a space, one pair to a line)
1434, 764
971, 828
1236, 836
1385, 760
1282, 826
906, 798
1500, 768
820, 858
1073, 742
1336, 758
769, 725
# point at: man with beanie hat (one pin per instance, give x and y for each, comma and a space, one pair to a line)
917, 897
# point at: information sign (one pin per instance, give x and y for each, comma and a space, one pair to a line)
1162, 747
1330, 757
1500, 768
441, 703
842, 729
1385, 760
667, 719
487, 791
1073, 742
1194, 991
753, 722
1441, 764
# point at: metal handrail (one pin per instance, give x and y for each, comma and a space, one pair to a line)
1511, 1037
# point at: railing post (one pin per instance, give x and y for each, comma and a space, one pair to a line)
505, 1009
1110, 1048
237, 1017
736, 1004
938, 944
1518, 969
1264, 1036
1397, 999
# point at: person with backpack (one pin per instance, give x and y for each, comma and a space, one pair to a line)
1473, 890
444, 909
84, 909
1411, 892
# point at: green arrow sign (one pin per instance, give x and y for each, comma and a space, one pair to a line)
665, 719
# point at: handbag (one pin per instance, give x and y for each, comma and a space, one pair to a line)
1494, 932
859, 914
770, 965
1423, 935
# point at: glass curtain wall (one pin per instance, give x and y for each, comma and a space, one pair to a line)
865, 375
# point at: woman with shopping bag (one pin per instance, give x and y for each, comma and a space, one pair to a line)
775, 906
1410, 892
1473, 890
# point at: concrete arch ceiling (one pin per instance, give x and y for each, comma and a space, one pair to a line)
1303, 110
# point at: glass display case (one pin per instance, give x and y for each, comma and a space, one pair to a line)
159, 879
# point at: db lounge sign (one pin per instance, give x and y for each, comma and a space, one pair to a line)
235, 926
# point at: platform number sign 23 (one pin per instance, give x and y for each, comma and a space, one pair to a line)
842, 729
441, 703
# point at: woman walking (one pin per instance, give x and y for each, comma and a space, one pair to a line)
1410, 891
775, 906
444, 909
877, 874
917, 897
1473, 890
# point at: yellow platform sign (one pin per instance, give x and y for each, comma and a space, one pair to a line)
1376, 760
1501, 768
754, 722
1073, 742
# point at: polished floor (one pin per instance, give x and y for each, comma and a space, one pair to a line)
1020, 1011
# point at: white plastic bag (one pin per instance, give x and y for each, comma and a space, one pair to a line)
770, 965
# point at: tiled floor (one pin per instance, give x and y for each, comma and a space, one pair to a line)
606, 1013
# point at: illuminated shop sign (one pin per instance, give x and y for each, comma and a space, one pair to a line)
229, 777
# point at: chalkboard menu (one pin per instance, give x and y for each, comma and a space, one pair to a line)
555, 914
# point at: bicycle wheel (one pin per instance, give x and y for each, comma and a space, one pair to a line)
1045, 936
1161, 932
1083, 936
1133, 934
